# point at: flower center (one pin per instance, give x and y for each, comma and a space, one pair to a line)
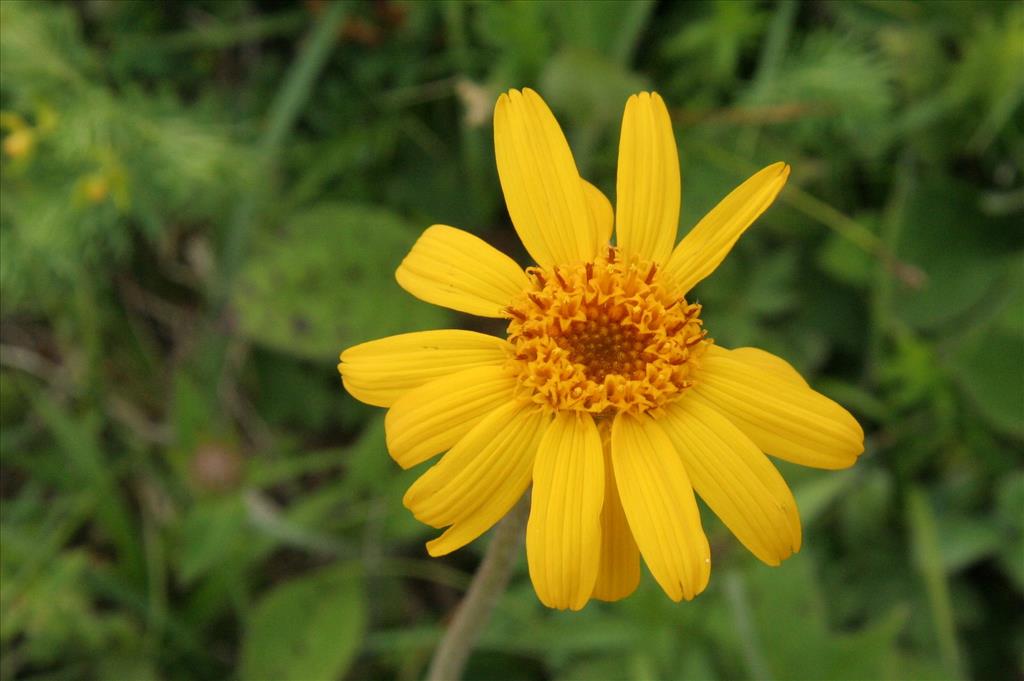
604, 336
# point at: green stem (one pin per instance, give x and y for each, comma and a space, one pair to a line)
743, 620
220, 36
826, 214
284, 110
772, 54
882, 290
927, 559
488, 584
471, 140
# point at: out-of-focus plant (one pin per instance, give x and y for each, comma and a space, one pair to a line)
96, 161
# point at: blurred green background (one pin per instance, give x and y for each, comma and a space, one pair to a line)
203, 202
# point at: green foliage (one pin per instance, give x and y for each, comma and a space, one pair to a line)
307, 628
103, 159
202, 203
320, 281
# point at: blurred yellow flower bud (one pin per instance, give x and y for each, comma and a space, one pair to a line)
19, 143
95, 187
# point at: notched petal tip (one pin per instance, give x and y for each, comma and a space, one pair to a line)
659, 504
784, 170
648, 184
540, 181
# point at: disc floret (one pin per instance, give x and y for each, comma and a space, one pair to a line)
604, 336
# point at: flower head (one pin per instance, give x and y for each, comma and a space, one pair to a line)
607, 397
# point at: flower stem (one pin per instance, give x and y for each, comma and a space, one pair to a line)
488, 584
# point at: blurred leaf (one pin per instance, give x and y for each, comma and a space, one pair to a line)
1010, 509
991, 370
306, 629
612, 27
806, 647
769, 284
88, 467
843, 76
324, 281
963, 253
210, 533
588, 86
865, 511
136, 668
964, 541
521, 34
714, 43
815, 496
264, 472
846, 262
192, 410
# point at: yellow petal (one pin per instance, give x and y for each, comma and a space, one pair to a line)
619, 572
735, 479
453, 268
766, 361
379, 371
659, 504
476, 483
648, 189
707, 244
431, 418
783, 418
601, 216
542, 187
563, 536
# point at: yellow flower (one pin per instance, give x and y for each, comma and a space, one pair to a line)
19, 144
607, 394
94, 187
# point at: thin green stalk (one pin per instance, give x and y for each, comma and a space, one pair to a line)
925, 543
626, 38
284, 111
828, 215
470, 139
156, 581
736, 593
881, 299
219, 36
772, 53
488, 584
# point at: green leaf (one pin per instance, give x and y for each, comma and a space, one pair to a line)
210, 532
1010, 511
845, 262
308, 629
816, 495
612, 27
588, 86
325, 281
806, 647
963, 253
965, 541
991, 372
